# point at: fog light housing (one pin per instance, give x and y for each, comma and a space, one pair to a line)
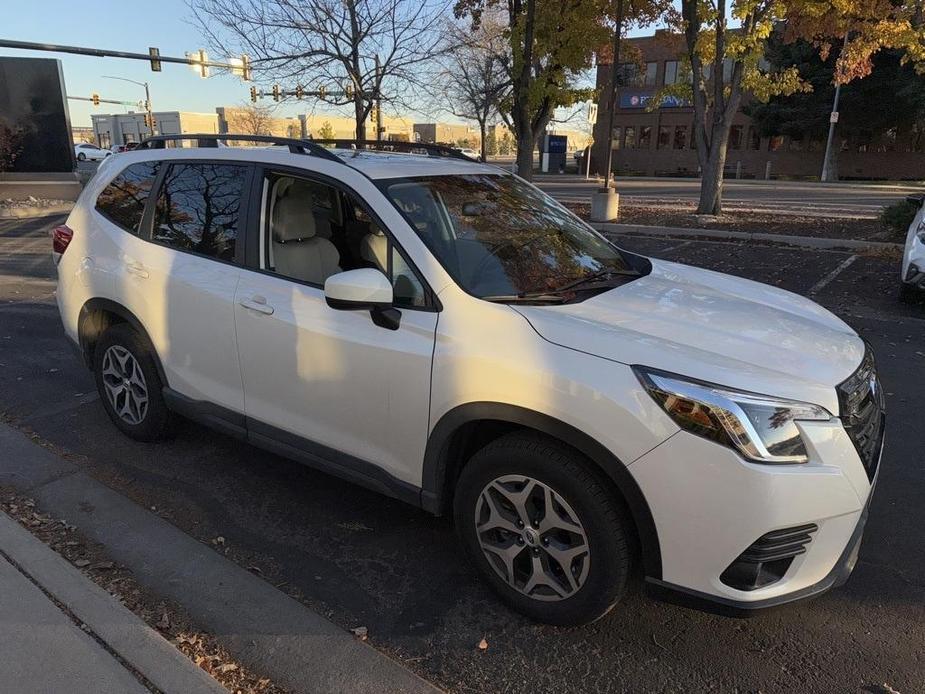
768, 558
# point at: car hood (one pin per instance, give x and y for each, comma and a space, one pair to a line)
713, 327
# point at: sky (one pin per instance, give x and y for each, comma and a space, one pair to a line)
129, 26
124, 26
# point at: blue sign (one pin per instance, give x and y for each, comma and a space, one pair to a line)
637, 99
556, 144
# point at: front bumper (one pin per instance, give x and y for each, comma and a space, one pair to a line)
685, 597
709, 506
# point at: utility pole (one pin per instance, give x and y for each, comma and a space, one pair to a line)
378, 101
605, 203
829, 170
150, 115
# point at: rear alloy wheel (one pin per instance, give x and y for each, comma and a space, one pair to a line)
129, 384
542, 529
81, 157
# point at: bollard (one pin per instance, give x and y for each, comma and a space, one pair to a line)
738, 169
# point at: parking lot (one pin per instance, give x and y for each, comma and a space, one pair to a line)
363, 559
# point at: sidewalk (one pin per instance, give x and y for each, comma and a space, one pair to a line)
263, 628
60, 632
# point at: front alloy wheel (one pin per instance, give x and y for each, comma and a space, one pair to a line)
532, 538
543, 529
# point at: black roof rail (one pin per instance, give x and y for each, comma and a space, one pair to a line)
296, 145
397, 146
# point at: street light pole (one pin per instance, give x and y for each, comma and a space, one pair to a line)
828, 170
147, 98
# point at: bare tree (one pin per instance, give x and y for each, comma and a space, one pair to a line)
476, 78
372, 47
250, 119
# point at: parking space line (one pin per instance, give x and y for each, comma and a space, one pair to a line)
842, 266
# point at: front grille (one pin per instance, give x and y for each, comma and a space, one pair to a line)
861, 404
767, 559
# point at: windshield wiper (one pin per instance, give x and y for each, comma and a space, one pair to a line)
601, 276
526, 298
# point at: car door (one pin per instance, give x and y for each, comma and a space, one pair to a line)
326, 382
182, 282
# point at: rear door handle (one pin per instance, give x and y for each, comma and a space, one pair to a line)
136, 268
258, 304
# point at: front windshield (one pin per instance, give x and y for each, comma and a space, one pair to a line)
502, 239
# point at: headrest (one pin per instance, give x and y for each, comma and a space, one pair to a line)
293, 219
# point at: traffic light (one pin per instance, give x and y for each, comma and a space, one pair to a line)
254, 94
245, 68
275, 92
348, 91
96, 99
150, 122
299, 92
155, 54
373, 113
321, 92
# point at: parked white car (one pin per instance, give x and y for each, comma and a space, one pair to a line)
471, 153
912, 275
445, 333
85, 151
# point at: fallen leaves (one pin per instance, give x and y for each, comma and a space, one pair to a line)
361, 633
483, 645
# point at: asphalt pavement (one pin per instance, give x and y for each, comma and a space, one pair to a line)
362, 559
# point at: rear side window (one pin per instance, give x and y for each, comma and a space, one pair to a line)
198, 208
123, 200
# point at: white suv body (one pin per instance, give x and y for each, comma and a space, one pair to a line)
567, 430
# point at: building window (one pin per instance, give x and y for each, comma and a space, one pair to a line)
628, 74
888, 141
680, 136
645, 137
775, 142
617, 137
671, 71
796, 143
664, 137
651, 70
630, 141
735, 137
864, 140
754, 139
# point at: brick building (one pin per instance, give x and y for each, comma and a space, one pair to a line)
660, 142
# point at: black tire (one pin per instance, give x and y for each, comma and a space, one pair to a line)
567, 473
81, 156
909, 294
157, 421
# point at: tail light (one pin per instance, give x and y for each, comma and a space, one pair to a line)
60, 239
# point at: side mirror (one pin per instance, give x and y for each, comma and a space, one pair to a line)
363, 290
916, 199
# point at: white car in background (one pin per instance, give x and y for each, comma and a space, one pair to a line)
912, 276
442, 331
85, 151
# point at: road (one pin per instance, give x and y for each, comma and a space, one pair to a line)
844, 199
366, 560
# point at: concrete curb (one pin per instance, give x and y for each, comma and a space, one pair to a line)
724, 235
124, 633
262, 627
33, 212
774, 182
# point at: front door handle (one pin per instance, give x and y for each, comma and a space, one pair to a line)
137, 269
258, 304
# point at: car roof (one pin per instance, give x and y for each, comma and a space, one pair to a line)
374, 164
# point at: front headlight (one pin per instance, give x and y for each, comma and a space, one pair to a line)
761, 428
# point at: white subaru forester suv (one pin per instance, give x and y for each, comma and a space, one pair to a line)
441, 331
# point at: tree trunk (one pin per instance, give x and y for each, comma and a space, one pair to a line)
525, 145
359, 113
482, 135
711, 176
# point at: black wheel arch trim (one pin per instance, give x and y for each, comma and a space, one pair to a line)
114, 307
438, 457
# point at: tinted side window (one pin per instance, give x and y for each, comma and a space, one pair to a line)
123, 200
198, 208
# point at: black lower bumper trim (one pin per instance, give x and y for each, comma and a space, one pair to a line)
685, 597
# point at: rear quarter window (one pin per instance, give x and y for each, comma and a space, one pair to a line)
123, 200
